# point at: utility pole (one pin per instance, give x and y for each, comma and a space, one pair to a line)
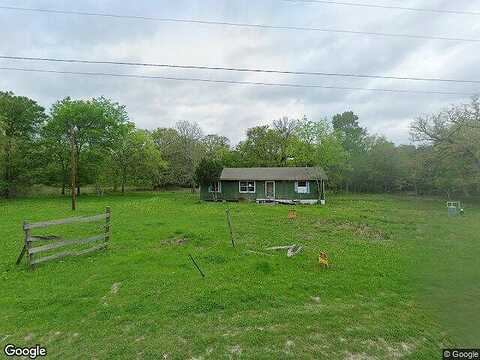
73, 168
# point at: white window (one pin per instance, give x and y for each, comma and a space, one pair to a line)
246, 186
215, 187
302, 187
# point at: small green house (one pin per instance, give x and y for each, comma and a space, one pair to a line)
304, 185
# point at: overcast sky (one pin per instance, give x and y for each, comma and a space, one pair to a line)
231, 109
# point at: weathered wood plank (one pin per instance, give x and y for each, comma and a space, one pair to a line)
51, 257
80, 219
68, 253
44, 238
89, 250
280, 247
28, 244
59, 244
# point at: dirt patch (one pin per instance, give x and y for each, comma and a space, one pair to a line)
235, 350
115, 288
178, 241
362, 356
288, 346
362, 230
394, 351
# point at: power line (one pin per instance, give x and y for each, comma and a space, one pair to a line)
232, 81
241, 25
233, 69
390, 7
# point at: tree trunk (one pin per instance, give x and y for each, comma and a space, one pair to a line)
64, 178
8, 170
124, 180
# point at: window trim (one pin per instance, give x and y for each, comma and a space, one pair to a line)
219, 187
247, 191
307, 187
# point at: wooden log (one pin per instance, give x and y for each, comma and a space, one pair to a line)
63, 243
280, 247
80, 219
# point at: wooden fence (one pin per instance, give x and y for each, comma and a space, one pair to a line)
57, 242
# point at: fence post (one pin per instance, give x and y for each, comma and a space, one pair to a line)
28, 244
108, 213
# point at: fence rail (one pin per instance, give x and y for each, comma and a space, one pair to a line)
57, 242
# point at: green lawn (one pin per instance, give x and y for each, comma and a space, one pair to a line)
404, 280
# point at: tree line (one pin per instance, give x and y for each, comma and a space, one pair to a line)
37, 147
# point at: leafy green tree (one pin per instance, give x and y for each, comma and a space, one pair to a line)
148, 163
315, 143
20, 120
262, 147
207, 172
350, 133
95, 125
123, 153
216, 146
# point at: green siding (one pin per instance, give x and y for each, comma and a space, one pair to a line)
284, 190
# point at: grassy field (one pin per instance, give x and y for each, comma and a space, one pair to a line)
403, 281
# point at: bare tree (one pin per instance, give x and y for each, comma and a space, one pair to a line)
285, 128
454, 130
190, 141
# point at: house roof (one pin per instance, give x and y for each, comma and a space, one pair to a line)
274, 173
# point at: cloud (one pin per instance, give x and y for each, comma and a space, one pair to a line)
231, 109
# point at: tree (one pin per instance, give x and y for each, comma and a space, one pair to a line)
351, 134
148, 164
20, 120
182, 148
454, 134
315, 144
262, 147
207, 172
383, 165
216, 146
123, 152
56, 154
285, 129
97, 124
354, 140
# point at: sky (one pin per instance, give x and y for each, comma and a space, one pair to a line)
230, 110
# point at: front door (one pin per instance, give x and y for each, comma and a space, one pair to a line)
270, 189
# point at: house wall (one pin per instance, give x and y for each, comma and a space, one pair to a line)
284, 190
